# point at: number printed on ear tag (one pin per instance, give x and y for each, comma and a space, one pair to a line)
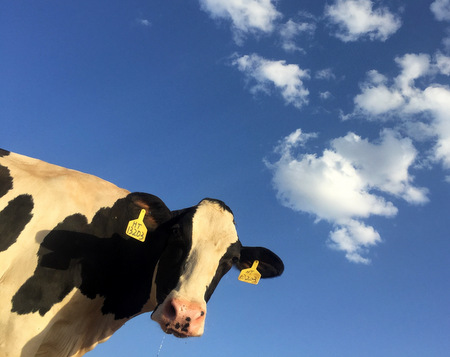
250, 275
136, 228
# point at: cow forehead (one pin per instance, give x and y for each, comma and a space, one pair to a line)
213, 226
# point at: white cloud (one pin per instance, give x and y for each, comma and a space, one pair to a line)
326, 73
286, 78
295, 139
413, 67
247, 16
446, 43
427, 106
378, 99
441, 10
356, 19
443, 64
437, 100
344, 184
354, 238
325, 95
291, 30
142, 22
384, 164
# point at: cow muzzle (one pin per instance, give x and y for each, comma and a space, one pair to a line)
181, 317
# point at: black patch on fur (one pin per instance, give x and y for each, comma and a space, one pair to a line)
4, 152
178, 244
6, 181
98, 258
13, 219
225, 264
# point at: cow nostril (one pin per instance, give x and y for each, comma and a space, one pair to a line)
171, 311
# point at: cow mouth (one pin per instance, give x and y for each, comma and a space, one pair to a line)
177, 330
179, 334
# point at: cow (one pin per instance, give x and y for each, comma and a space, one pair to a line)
80, 256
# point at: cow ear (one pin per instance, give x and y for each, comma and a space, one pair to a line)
270, 265
156, 212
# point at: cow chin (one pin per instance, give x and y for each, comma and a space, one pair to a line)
181, 317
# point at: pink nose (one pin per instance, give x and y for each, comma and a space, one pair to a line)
182, 318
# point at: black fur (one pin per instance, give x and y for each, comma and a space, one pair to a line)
6, 181
13, 219
178, 244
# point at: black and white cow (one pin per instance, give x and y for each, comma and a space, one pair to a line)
70, 276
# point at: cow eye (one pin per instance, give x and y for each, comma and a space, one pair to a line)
176, 230
235, 260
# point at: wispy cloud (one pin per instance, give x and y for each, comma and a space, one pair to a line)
291, 30
356, 19
424, 110
339, 185
143, 22
325, 95
326, 74
441, 10
268, 74
247, 16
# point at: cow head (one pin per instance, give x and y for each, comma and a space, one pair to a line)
201, 246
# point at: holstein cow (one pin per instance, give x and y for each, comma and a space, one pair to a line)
76, 261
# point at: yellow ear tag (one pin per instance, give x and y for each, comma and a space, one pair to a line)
136, 228
250, 275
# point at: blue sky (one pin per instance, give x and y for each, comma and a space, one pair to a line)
324, 125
